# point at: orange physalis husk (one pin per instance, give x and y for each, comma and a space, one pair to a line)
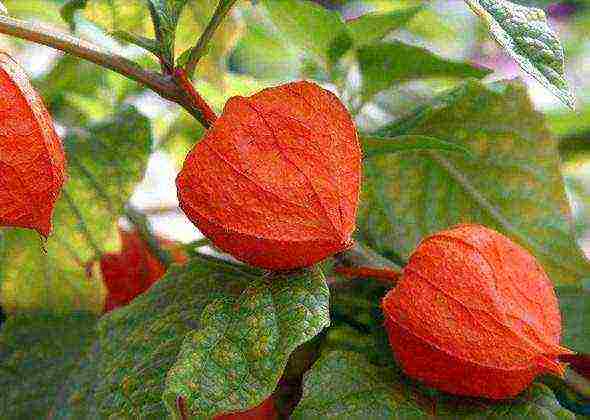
265, 411
275, 182
32, 160
474, 314
132, 271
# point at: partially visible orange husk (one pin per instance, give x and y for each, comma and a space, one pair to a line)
32, 158
134, 269
474, 314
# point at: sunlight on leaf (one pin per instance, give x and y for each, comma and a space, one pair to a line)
512, 182
525, 34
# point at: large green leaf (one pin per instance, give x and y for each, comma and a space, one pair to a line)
76, 399
374, 146
37, 352
140, 342
70, 76
368, 29
344, 385
574, 303
306, 25
525, 34
165, 15
373, 27
264, 56
511, 182
104, 165
385, 63
234, 361
120, 15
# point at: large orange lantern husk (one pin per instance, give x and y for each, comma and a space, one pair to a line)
275, 182
32, 159
474, 314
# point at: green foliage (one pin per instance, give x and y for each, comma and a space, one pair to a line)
222, 336
105, 163
513, 167
262, 55
374, 146
69, 9
71, 78
76, 398
574, 303
294, 19
140, 343
387, 63
234, 361
525, 34
37, 351
373, 27
147, 44
344, 385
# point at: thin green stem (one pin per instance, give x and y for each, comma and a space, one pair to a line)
200, 48
162, 84
142, 226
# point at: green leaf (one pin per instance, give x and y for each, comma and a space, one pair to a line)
139, 343
372, 344
536, 402
512, 181
37, 352
574, 303
374, 146
165, 16
70, 76
76, 398
367, 29
69, 9
148, 44
234, 361
260, 54
386, 63
344, 385
104, 165
373, 27
525, 34
307, 25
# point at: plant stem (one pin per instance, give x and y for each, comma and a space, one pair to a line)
388, 276
208, 114
181, 406
141, 224
164, 85
221, 11
362, 261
